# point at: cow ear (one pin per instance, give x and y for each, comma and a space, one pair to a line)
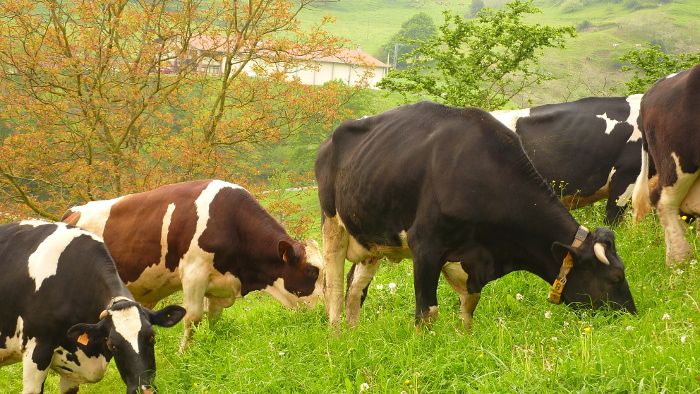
559, 251
168, 316
86, 334
286, 251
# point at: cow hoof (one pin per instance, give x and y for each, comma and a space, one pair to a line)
677, 258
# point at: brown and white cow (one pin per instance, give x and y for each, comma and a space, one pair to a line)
671, 134
210, 238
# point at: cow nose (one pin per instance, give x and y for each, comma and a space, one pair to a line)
147, 390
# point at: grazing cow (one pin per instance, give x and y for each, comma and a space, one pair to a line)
445, 184
671, 133
209, 238
63, 307
587, 149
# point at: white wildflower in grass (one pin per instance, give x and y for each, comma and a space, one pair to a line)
364, 387
282, 353
519, 297
666, 316
554, 339
548, 314
693, 262
629, 328
566, 324
392, 287
684, 338
380, 287
679, 271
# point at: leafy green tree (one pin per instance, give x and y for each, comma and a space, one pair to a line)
481, 62
650, 63
415, 30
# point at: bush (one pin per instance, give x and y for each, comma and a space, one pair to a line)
584, 25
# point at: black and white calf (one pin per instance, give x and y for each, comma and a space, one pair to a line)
63, 307
440, 184
587, 149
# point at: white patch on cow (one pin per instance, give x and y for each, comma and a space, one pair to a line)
164, 232
634, 102
609, 123
625, 196
510, 117
43, 263
127, 322
94, 214
12, 352
281, 294
89, 370
32, 377
671, 75
157, 281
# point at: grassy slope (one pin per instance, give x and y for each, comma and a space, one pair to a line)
588, 66
261, 347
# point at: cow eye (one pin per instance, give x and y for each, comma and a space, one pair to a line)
112, 347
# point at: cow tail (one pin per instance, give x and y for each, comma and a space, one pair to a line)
641, 203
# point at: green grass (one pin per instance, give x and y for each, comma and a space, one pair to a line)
517, 345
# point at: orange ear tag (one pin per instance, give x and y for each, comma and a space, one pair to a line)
84, 339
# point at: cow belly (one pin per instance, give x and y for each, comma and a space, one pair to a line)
78, 367
357, 253
155, 283
691, 202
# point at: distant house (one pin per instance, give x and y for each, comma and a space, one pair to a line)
351, 66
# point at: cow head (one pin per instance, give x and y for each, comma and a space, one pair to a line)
300, 274
597, 277
125, 332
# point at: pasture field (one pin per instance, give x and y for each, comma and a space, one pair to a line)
520, 343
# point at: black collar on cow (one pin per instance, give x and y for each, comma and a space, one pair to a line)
566, 265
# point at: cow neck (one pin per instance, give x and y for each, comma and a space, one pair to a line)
262, 243
556, 226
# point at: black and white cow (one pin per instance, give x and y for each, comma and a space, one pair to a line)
671, 132
63, 307
586, 149
445, 184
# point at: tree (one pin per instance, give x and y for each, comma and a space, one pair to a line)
650, 63
108, 97
414, 31
482, 62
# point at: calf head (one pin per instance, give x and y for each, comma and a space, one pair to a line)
597, 278
298, 274
125, 332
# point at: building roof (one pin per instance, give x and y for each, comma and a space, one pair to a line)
352, 56
344, 55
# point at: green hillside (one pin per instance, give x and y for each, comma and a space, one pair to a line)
588, 66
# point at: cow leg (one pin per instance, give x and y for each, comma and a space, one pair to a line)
68, 386
427, 264
335, 245
457, 278
619, 194
670, 198
194, 285
359, 279
35, 367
